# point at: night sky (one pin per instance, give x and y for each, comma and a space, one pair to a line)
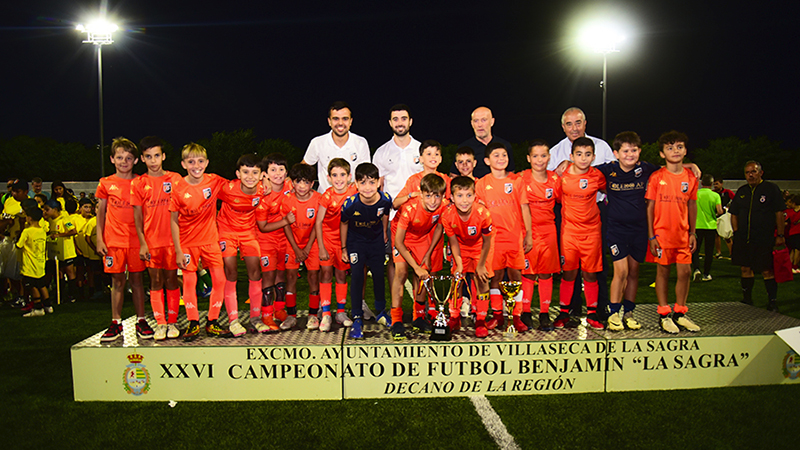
183, 70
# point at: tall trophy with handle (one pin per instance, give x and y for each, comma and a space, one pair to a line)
509, 290
441, 330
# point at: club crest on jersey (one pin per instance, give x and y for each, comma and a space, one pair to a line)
614, 250
763, 199
353, 258
562, 260
396, 252
353, 156
223, 245
637, 172
435, 218
310, 213
286, 258
167, 187
187, 258
658, 252
548, 193
109, 261
380, 211
206, 193
265, 261
416, 160
508, 187
584, 183
255, 201
684, 186
472, 231
527, 264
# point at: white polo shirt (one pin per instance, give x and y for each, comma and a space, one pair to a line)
321, 150
396, 165
563, 150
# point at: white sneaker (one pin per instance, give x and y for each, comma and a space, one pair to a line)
172, 331
325, 325
668, 325
289, 323
615, 322
313, 323
237, 329
630, 322
697, 275
48, 309
161, 332
368, 314
259, 326
707, 277
343, 319
685, 323
34, 313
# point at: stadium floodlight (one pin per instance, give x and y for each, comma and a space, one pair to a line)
602, 39
99, 33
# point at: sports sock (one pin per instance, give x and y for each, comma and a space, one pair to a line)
747, 289
628, 305
527, 293
254, 291
614, 307
680, 309
664, 311
217, 293
545, 289
291, 303
772, 289
565, 295
397, 315
190, 295
496, 300
341, 296
325, 298
591, 289
173, 305
313, 303
482, 306
157, 303
419, 310
231, 302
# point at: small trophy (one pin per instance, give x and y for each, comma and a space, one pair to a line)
441, 329
510, 290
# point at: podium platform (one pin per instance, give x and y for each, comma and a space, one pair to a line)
736, 346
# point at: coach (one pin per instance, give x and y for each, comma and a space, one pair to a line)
756, 213
482, 122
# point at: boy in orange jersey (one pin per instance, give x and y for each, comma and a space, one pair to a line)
468, 227
193, 208
671, 217
303, 204
150, 194
465, 161
581, 238
272, 239
543, 188
414, 247
236, 223
117, 242
330, 244
504, 195
430, 155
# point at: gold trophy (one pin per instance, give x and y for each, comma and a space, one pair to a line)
441, 329
510, 289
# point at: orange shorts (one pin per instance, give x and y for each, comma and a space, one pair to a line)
273, 257
470, 263
334, 249
162, 258
671, 256
417, 250
210, 254
581, 251
230, 243
543, 258
508, 255
311, 263
120, 259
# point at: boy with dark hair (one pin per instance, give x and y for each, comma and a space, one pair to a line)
235, 221
468, 227
430, 155
414, 247
303, 204
117, 242
150, 197
709, 206
63, 231
193, 207
86, 213
32, 242
671, 200
465, 161
503, 193
363, 235
581, 238
543, 188
330, 243
272, 240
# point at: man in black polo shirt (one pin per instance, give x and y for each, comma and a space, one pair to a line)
756, 213
482, 122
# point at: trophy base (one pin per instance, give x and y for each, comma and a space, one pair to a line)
440, 333
510, 333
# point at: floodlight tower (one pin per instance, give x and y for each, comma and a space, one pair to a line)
99, 33
602, 39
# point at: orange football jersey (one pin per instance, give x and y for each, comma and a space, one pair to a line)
153, 194
119, 230
196, 205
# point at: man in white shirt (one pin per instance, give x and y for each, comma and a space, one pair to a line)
398, 159
339, 143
